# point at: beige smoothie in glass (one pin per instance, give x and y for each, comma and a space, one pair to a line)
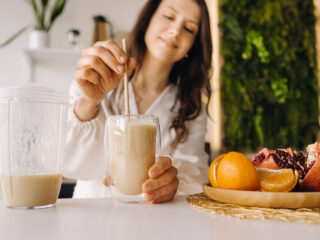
31, 190
132, 147
33, 123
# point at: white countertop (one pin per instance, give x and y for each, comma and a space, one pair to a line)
92, 219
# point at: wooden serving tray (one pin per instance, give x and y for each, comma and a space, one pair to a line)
264, 199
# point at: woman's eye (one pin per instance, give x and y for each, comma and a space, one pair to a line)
188, 30
168, 17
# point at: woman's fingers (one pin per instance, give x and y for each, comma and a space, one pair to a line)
105, 65
86, 74
160, 167
165, 179
163, 182
132, 63
100, 69
165, 198
106, 56
114, 49
163, 192
96, 64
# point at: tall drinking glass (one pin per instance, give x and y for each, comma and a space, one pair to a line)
32, 142
132, 147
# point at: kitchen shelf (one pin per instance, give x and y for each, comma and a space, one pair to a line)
50, 55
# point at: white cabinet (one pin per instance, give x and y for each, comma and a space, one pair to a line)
51, 67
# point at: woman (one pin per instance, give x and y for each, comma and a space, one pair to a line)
170, 53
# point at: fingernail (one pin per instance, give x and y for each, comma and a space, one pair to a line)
122, 59
120, 68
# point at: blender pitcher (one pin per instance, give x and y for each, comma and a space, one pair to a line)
32, 141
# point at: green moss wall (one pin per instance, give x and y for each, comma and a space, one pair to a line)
269, 86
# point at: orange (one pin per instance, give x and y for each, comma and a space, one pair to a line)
280, 180
235, 171
212, 174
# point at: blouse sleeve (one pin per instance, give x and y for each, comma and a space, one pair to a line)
190, 158
84, 157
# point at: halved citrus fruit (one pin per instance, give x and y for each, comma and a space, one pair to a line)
212, 171
280, 180
235, 171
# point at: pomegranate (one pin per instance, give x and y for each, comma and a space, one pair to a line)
311, 181
307, 166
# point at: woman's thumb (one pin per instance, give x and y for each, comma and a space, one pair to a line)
132, 63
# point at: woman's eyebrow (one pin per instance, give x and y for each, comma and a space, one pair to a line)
189, 20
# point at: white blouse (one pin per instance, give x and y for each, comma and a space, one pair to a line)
85, 160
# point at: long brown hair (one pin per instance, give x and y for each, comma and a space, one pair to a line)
191, 75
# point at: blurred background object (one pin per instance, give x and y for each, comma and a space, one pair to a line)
39, 36
103, 29
54, 66
73, 37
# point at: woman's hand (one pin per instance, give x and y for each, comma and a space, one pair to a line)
163, 182
99, 71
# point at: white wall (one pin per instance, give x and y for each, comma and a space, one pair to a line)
14, 14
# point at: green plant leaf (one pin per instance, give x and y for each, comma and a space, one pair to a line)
280, 89
13, 37
34, 7
39, 22
44, 4
254, 38
231, 25
258, 125
56, 11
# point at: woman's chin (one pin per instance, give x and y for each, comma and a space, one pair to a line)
165, 57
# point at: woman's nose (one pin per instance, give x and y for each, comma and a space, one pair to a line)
172, 32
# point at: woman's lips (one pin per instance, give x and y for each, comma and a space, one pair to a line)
169, 43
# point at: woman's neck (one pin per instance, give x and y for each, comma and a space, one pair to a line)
153, 75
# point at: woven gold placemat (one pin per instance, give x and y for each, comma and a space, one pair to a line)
307, 215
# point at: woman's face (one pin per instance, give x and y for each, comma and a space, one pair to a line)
172, 30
